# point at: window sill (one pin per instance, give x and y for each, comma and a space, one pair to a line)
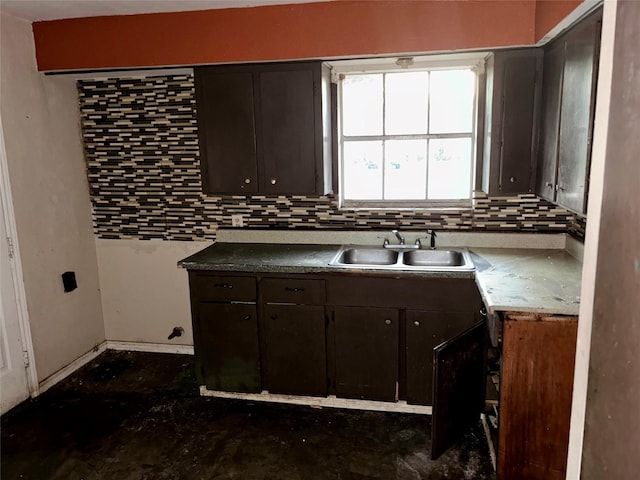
403, 206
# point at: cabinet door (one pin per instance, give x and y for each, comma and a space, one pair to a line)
227, 347
576, 122
366, 353
536, 384
287, 131
226, 130
295, 349
425, 331
458, 400
511, 81
548, 152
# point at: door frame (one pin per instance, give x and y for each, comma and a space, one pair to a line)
16, 268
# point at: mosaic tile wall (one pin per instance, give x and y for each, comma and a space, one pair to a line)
143, 167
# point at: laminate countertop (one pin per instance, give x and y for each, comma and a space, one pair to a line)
509, 279
528, 280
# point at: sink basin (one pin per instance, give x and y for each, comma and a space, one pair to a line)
401, 260
368, 256
433, 258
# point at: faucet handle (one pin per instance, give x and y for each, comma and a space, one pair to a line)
433, 235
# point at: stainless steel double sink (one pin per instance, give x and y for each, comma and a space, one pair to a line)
389, 258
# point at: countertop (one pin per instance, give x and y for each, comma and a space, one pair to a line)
528, 280
509, 279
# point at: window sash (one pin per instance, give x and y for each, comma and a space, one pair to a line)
408, 203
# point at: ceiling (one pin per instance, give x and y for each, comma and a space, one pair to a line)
35, 10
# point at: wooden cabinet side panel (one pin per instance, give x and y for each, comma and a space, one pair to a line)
535, 397
226, 130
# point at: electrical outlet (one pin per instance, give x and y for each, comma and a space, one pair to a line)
237, 221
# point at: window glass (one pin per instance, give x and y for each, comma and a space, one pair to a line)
406, 96
362, 105
407, 136
405, 169
451, 101
449, 172
363, 170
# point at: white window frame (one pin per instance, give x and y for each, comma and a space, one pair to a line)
474, 61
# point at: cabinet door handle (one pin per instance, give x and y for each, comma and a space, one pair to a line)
223, 285
274, 181
387, 321
247, 317
247, 180
416, 323
560, 187
294, 289
549, 184
512, 179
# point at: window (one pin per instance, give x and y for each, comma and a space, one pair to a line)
407, 137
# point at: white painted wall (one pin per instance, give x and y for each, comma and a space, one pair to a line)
51, 202
144, 293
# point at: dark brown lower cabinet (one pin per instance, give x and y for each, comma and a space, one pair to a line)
295, 344
227, 347
366, 353
424, 331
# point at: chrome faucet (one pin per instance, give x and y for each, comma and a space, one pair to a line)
398, 236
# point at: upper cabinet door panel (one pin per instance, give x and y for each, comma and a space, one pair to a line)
518, 120
548, 152
512, 98
576, 122
287, 130
226, 130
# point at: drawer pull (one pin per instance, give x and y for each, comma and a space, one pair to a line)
247, 317
294, 289
387, 321
223, 285
416, 323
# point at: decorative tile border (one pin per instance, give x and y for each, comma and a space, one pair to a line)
141, 145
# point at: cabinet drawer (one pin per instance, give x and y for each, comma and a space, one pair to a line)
292, 290
223, 288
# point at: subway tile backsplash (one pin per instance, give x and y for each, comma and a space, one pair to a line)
141, 145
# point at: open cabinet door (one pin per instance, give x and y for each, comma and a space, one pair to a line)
459, 386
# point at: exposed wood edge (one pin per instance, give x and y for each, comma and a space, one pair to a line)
487, 434
64, 372
538, 317
150, 347
321, 402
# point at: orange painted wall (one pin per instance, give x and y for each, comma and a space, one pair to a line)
550, 12
282, 32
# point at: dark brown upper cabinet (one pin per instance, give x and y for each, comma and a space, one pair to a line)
568, 98
511, 112
265, 128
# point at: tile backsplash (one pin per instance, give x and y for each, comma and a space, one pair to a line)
141, 145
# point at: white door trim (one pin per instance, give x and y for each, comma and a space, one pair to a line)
16, 267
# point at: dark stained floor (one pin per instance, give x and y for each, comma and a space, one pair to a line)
138, 416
